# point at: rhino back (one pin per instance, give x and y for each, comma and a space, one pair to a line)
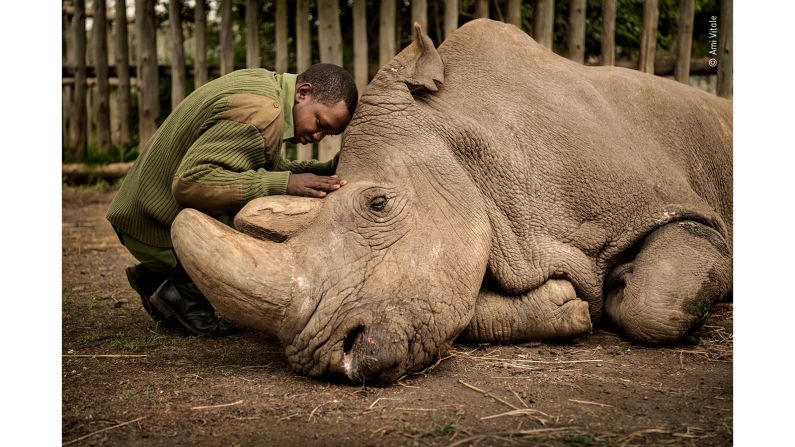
578, 163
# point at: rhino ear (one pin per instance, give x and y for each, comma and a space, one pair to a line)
421, 68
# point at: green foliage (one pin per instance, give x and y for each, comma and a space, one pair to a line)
575, 438
444, 429
94, 303
66, 299
137, 344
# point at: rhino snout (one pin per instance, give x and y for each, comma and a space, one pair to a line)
372, 355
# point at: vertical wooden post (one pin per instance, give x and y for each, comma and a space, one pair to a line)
252, 34
482, 9
648, 38
227, 39
303, 56
123, 73
515, 13
360, 74
576, 35
436, 22
419, 13
330, 40
178, 75
200, 67
386, 32
148, 80
544, 22
608, 32
79, 126
66, 98
66, 111
725, 50
69, 40
102, 103
329, 32
281, 36
684, 40
450, 17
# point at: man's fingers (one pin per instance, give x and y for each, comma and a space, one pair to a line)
326, 185
309, 192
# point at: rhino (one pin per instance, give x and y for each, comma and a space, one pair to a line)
496, 193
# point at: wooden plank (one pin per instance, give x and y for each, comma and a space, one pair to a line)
148, 79
648, 37
227, 55
79, 127
515, 13
608, 44
576, 34
252, 34
386, 32
360, 74
419, 14
684, 40
544, 22
303, 54
76, 173
178, 71
482, 9
330, 41
450, 17
102, 100
124, 107
200, 24
281, 36
725, 50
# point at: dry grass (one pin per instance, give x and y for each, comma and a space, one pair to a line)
716, 345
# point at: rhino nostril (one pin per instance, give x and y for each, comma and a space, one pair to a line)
350, 339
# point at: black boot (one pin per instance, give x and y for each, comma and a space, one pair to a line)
145, 282
179, 298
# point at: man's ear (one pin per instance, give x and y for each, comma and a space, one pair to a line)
303, 90
419, 65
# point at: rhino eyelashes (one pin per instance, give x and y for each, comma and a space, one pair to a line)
377, 204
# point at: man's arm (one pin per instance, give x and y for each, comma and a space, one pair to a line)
222, 170
312, 166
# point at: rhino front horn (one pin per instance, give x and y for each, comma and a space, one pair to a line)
247, 280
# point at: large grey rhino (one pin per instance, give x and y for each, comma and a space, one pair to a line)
498, 193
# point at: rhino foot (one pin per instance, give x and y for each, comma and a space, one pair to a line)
549, 311
669, 288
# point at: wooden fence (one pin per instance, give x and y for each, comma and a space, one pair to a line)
99, 98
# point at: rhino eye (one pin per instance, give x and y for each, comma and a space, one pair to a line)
377, 204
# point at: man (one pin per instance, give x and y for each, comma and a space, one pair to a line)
217, 150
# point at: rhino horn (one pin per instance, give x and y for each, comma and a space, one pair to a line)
249, 281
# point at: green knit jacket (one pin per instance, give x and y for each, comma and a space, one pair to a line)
217, 150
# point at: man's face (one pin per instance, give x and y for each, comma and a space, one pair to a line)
313, 120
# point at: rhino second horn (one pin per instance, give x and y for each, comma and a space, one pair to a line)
277, 218
247, 280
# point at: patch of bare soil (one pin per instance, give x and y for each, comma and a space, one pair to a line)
126, 382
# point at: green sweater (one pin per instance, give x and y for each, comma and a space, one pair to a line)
217, 150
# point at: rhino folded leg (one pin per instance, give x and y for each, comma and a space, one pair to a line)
549, 311
681, 269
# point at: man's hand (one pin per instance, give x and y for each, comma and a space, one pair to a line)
311, 185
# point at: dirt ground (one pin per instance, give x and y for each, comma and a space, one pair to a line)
126, 382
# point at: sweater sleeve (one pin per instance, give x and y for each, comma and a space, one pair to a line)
313, 166
222, 170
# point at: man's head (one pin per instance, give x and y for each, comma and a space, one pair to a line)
325, 98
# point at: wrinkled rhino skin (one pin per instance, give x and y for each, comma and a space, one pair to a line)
497, 193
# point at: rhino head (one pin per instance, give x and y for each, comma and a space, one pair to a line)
378, 278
